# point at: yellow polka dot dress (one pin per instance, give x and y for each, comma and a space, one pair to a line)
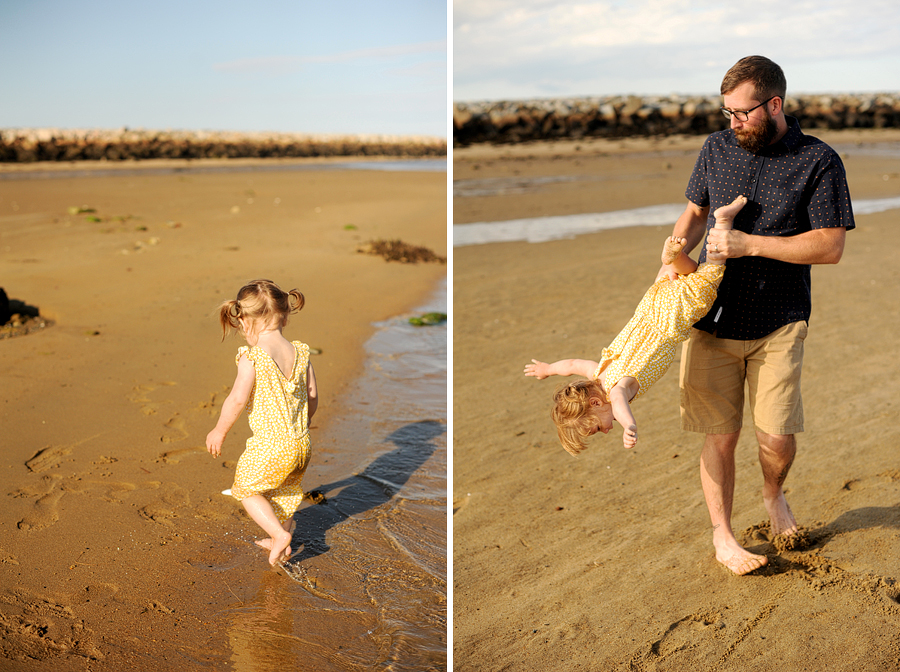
278, 452
645, 348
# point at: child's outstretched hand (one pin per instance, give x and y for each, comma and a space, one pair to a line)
214, 441
536, 369
629, 438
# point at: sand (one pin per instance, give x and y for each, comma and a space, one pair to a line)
605, 562
111, 516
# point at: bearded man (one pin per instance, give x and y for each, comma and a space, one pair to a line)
798, 213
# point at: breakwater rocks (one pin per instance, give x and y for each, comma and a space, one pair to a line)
620, 116
29, 145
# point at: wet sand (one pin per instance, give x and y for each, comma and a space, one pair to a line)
606, 561
116, 550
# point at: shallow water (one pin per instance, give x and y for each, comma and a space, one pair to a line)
196, 166
543, 229
369, 589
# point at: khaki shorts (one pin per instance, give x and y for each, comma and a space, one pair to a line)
714, 371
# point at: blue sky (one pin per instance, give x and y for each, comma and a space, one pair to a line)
318, 67
519, 49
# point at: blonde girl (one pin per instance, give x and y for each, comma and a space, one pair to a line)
642, 352
276, 379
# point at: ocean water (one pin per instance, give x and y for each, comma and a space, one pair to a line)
543, 229
366, 588
197, 166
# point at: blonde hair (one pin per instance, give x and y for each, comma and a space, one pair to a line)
571, 413
259, 301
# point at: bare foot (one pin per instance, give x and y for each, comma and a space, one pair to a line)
280, 549
672, 248
780, 516
726, 214
737, 558
264, 543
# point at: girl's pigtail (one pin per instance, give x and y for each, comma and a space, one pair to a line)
296, 300
229, 314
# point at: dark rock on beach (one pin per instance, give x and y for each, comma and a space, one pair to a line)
30, 145
621, 116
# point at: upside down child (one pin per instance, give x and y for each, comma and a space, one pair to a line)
643, 350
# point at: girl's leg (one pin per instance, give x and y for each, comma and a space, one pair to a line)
726, 214
263, 515
266, 543
673, 254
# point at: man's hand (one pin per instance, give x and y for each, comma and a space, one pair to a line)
722, 244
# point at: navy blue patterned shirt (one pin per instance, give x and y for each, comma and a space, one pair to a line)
793, 186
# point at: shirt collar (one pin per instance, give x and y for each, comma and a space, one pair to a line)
788, 143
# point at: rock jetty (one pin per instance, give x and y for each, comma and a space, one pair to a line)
30, 145
620, 116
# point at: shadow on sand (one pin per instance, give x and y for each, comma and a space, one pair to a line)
367, 490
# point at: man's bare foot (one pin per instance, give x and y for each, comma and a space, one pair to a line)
280, 549
726, 214
781, 518
737, 558
672, 248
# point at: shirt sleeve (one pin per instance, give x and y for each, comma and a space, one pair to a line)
698, 186
829, 205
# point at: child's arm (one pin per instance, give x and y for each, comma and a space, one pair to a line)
619, 396
232, 406
312, 393
564, 367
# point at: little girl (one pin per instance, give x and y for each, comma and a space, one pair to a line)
276, 377
641, 353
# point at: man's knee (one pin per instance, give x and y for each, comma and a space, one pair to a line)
782, 445
724, 444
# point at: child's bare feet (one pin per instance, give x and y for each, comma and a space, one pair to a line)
280, 549
726, 214
672, 248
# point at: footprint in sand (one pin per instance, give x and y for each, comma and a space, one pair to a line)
176, 456
176, 432
8, 558
45, 511
47, 458
140, 394
176, 428
43, 628
171, 498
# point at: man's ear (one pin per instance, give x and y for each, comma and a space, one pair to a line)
777, 105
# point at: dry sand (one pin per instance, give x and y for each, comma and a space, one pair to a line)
605, 562
111, 505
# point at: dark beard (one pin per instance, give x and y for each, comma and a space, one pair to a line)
755, 139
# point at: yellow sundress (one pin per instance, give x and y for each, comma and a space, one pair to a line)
645, 348
278, 452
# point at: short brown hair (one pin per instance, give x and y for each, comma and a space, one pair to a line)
766, 75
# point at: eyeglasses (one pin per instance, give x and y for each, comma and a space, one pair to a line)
743, 115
